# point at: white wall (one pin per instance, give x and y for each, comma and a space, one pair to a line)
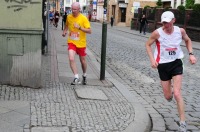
197, 1
99, 13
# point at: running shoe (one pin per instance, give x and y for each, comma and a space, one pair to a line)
182, 127
76, 81
84, 81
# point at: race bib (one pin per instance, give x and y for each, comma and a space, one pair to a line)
170, 53
57, 17
74, 35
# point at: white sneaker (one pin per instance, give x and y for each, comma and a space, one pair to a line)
76, 81
182, 127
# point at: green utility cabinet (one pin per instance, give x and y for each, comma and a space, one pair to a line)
20, 42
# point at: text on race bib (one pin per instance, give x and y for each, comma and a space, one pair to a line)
170, 53
74, 35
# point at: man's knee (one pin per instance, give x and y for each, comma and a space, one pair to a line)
71, 58
83, 61
177, 95
167, 96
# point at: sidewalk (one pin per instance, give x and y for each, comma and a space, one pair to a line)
137, 122
99, 106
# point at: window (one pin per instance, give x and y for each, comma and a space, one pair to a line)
182, 2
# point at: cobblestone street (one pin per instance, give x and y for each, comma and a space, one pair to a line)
123, 102
58, 106
128, 62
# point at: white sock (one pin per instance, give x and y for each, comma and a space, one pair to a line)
84, 74
76, 76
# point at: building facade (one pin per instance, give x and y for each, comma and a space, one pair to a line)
123, 10
54, 5
100, 10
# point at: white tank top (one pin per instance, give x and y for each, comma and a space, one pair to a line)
168, 47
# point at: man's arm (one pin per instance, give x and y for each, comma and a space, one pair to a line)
86, 30
65, 30
154, 36
83, 26
187, 40
188, 44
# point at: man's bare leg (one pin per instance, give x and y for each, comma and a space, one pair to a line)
84, 68
167, 90
178, 96
72, 62
83, 63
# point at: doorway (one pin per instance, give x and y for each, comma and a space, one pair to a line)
113, 10
123, 14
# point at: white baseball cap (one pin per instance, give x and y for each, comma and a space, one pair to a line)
167, 16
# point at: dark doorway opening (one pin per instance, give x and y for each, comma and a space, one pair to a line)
113, 10
123, 14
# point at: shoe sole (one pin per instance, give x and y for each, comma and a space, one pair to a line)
76, 83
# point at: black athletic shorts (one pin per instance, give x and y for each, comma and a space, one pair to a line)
168, 70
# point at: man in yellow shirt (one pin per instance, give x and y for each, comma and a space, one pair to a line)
78, 25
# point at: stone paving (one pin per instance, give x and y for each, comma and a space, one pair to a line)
64, 109
128, 62
57, 107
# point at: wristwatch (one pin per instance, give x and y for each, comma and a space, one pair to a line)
191, 53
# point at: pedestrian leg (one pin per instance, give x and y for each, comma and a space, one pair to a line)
141, 26
144, 29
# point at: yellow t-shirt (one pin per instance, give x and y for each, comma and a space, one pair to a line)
75, 35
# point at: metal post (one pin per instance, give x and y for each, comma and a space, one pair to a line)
104, 38
44, 28
48, 8
62, 23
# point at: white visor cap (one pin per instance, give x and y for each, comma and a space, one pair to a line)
167, 16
